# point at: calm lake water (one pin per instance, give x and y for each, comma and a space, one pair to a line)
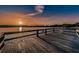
13, 29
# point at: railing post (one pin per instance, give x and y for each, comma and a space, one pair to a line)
2, 40
37, 33
45, 31
53, 29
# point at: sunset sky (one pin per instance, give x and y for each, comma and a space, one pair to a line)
38, 15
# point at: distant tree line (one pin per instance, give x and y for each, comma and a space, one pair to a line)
55, 25
66, 25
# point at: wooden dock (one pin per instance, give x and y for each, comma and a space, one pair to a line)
52, 42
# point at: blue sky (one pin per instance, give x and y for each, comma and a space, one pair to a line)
62, 10
48, 10
16, 8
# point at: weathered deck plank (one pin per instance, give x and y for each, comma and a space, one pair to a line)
28, 44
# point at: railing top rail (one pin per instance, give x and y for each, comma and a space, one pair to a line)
25, 31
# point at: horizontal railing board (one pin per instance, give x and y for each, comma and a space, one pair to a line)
18, 37
24, 31
22, 36
41, 31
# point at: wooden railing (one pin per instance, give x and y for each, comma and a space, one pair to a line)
37, 32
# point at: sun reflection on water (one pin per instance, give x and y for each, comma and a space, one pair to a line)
20, 28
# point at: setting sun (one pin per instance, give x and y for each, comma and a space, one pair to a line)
20, 23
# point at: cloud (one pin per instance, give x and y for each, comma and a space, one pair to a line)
39, 10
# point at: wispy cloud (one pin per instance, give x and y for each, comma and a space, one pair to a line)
39, 10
